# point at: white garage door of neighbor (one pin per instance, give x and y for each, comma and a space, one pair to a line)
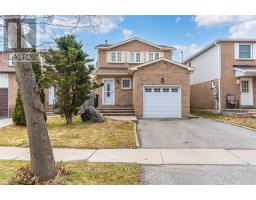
162, 102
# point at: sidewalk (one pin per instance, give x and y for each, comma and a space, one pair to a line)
143, 156
5, 122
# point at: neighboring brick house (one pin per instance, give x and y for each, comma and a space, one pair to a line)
226, 68
141, 75
9, 87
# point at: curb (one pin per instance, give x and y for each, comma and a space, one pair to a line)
234, 124
231, 123
136, 134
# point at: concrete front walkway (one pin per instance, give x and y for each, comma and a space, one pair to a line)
143, 156
5, 122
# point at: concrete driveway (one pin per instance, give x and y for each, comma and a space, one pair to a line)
198, 175
194, 133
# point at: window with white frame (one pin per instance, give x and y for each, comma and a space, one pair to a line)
126, 83
154, 56
116, 57
135, 57
119, 57
245, 51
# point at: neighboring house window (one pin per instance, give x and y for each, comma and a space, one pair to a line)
126, 83
135, 57
245, 86
154, 56
245, 51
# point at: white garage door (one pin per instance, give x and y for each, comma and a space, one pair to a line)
162, 102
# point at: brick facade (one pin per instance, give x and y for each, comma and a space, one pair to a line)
201, 95
147, 75
228, 78
12, 93
123, 97
135, 46
151, 75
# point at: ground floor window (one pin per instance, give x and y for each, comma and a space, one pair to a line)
126, 83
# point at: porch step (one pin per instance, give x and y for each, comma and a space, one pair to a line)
50, 113
118, 114
241, 112
123, 111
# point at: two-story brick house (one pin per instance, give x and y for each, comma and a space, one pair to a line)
9, 87
227, 66
141, 75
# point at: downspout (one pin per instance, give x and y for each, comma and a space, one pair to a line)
219, 76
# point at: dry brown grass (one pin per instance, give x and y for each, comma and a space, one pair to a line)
76, 173
248, 122
108, 134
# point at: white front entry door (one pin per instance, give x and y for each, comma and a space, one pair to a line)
162, 102
246, 88
51, 96
109, 92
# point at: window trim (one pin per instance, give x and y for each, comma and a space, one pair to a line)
116, 57
251, 51
126, 88
135, 56
154, 55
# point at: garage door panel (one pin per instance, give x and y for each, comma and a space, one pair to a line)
162, 104
4, 102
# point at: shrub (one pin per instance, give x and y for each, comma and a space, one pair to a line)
18, 115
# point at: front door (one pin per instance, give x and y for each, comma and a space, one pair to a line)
246, 88
108, 92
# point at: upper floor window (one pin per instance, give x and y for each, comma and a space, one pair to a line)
116, 57
154, 55
245, 51
135, 57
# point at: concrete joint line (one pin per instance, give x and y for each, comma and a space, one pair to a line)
91, 155
161, 156
238, 157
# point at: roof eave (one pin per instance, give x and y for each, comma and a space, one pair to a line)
132, 39
161, 59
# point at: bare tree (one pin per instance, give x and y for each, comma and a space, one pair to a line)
41, 154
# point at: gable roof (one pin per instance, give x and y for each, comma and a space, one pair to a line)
206, 48
158, 60
109, 46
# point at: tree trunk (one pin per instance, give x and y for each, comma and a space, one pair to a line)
69, 120
41, 154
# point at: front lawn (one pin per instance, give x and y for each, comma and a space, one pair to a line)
248, 122
79, 173
108, 134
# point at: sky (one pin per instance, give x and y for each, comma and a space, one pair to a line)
188, 34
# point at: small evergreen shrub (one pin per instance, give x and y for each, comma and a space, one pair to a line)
18, 115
